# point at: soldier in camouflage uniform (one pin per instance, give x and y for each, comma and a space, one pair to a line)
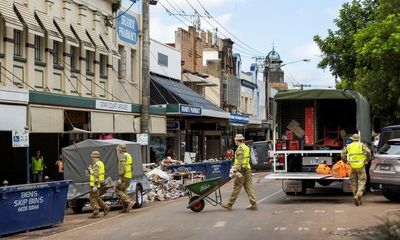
242, 165
97, 173
358, 156
125, 176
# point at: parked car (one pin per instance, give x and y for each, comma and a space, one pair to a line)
388, 132
385, 170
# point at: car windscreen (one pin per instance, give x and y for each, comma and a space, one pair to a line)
387, 135
390, 148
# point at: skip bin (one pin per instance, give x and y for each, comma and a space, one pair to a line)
218, 169
198, 167
30, 206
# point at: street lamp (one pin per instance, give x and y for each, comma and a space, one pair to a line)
302, 60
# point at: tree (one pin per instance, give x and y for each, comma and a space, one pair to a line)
364, 53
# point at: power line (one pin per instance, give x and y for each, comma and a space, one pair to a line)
22, 81
208, 13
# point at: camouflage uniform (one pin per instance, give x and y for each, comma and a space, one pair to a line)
358, 177
122, 186
95, 201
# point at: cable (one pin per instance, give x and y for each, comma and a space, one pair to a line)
169, 12
124, 11
22, 81
201, 5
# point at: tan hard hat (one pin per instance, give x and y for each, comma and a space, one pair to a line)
95, 154
122, 147
355, 137
239, 137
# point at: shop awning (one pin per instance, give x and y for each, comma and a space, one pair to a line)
191, 78
110, 45
13, 117
66, 31
101, 122
46, 120
97, 42
10, 18
80, 33
166, 91
158, 125
48, 25
29, 19
124, 123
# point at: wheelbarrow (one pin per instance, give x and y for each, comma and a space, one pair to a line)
200, 191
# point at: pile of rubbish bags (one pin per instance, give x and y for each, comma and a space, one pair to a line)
164, 186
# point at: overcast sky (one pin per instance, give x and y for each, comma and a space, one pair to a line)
257, 25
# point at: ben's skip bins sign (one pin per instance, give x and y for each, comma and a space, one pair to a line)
127, 28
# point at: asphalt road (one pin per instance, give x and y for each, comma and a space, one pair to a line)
322, 214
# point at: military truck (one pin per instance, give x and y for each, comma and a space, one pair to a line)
76, 162
312, 127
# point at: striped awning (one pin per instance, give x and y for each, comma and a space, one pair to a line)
28, 18
110, 45
66, 31
97, 41
48, 25
80, 33
9, 16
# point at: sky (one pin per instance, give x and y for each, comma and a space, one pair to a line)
256, 26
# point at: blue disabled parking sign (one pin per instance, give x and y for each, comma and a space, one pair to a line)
20, 138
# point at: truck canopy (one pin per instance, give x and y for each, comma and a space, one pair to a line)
74, 169
362, 105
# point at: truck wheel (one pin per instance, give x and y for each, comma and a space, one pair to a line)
390, 195
77, 207
198, 206
139, 197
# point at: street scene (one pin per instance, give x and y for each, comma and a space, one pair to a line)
199, 119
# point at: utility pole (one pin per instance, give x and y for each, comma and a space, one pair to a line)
145, 113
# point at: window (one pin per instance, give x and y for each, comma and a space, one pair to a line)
56, 53
122, 62
89, 61
103, 65
162, 59
38, 52
133, 65
17, 43
74, 58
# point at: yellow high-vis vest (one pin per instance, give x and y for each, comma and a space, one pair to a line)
102, 172
37, 165
128, 167
356, 155
246, 158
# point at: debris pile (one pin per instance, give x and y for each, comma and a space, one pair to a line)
167, 186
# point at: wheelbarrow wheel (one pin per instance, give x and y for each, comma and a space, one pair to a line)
198, 206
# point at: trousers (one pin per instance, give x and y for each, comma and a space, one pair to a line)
245, 181
121, 191
96, 202
358, 180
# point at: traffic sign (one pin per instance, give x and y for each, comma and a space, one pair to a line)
142, 138
20, 138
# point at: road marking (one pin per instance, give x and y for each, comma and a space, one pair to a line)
258, 228
319, 211
299, 211
219, 224
268, 196
280, 228
324, 229
392, 210
339, 211
304, 229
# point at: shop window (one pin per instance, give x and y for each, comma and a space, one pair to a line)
17, 43
133, 65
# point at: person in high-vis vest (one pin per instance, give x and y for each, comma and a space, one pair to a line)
125, 176
37, 167
357, 155
241, 164
97, 172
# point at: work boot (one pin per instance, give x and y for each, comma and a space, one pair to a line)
106, 210
130, 206
356, 201
359, 200
94, 216
226, 206
252, 207
123, 210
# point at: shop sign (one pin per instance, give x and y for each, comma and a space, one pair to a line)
237, 118
191, 110
173, 125
20, 138
127, 28
113, 106
142, 138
